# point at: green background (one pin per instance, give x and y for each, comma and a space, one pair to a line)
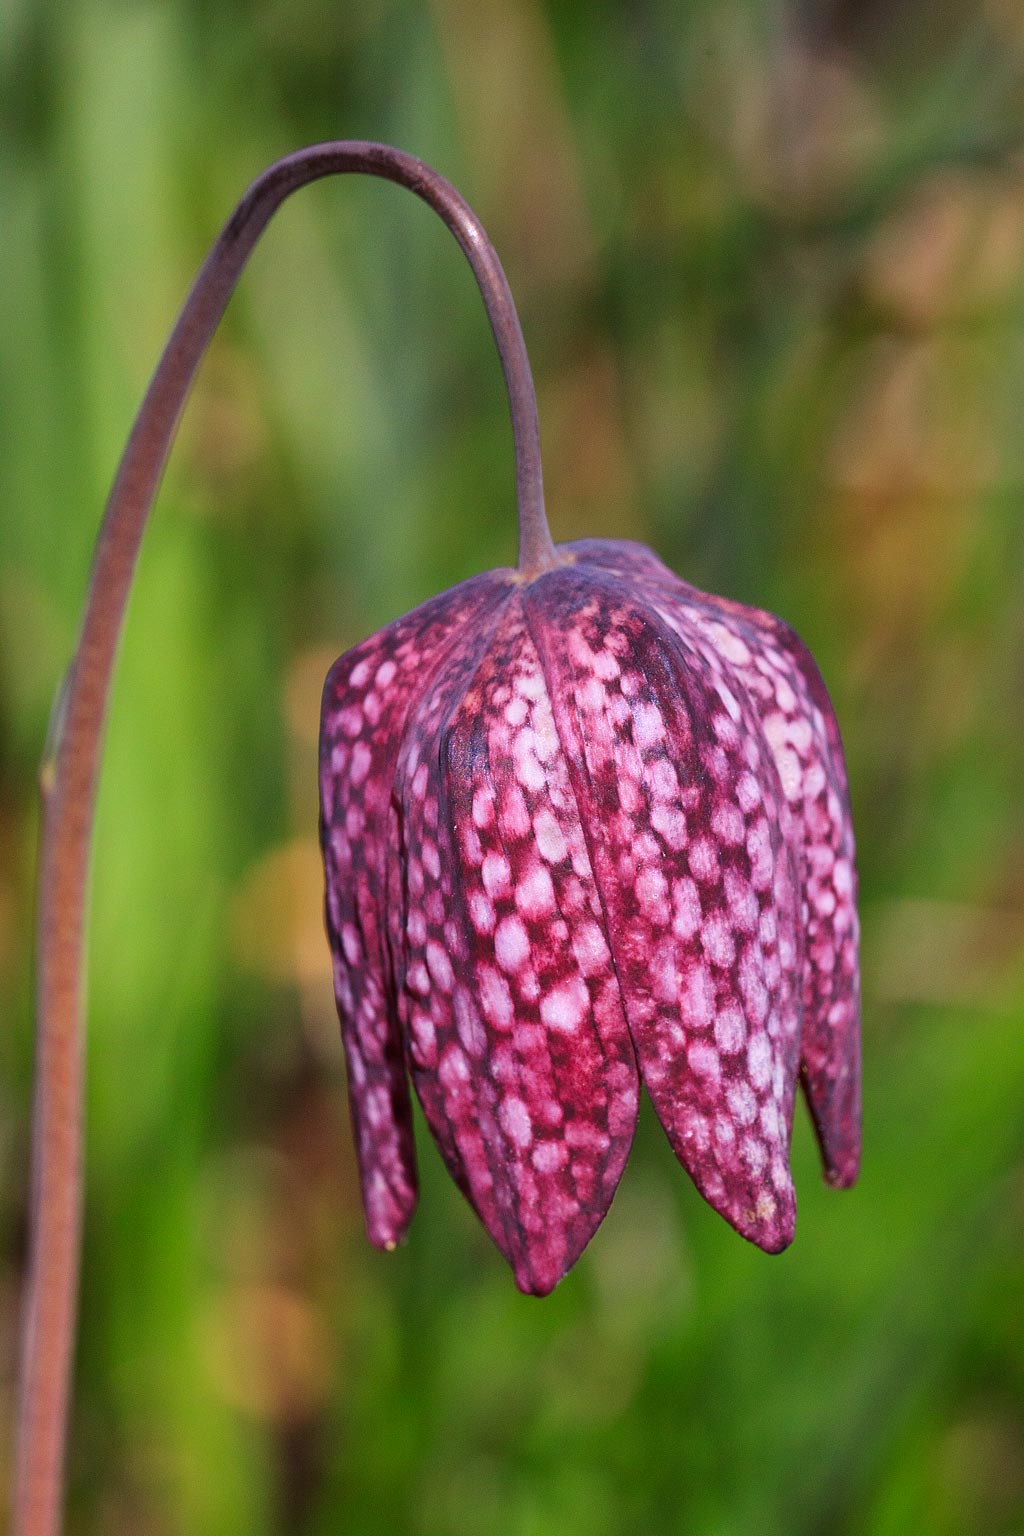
770, 267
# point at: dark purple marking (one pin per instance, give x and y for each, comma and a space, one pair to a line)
581, 832
366, 701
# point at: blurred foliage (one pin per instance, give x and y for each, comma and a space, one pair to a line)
770, 263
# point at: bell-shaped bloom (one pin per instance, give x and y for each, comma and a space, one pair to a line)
586, 832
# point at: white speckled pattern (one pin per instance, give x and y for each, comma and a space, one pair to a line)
366, 700
700, 893
581, 832
786, 690
520, 1051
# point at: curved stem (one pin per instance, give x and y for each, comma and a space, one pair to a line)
71, 767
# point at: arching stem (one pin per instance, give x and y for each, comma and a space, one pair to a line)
71, 767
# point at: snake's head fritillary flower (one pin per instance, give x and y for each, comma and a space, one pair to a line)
584, 828
584, 832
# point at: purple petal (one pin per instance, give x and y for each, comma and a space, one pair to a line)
691, 843
797, 717
519, 1049
367, 696
830, 1050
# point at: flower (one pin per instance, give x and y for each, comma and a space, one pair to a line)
582, 832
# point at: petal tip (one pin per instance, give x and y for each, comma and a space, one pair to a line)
529, 1282
843, 1173
778, 1240
770, 1223
540, 1265
836, 1118
387, 1229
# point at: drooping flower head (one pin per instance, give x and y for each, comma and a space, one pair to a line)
585, 830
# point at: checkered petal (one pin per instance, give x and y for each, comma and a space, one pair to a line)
518, 1044
367, 698
690, 838
795, 713
582, 831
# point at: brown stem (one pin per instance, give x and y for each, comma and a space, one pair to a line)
71, 766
